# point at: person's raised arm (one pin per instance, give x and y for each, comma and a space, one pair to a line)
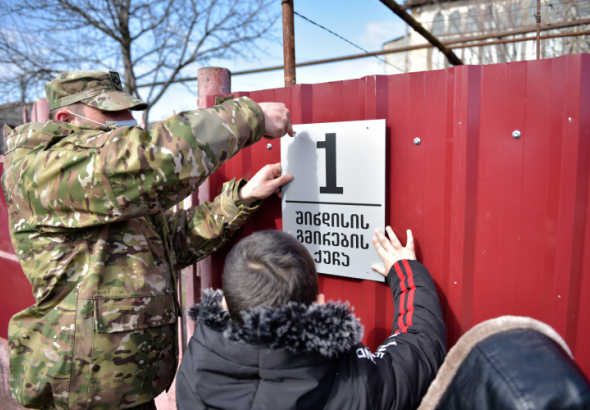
198, 231
409, 359
277, 120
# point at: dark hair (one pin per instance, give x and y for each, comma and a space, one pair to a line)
268, 268
76, 108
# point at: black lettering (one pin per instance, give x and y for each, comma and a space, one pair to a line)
352, 223
330, 145
342, 221
344, 240
354, 238
347, 260
308, 237
336, 242
300, 235
326, 218
319, 259
335, 260
326, 240
335, 221
299, 220
363, 222
317, 238
316, 219
329, 261
363, 242
306, 214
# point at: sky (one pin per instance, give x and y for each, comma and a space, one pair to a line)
367, 23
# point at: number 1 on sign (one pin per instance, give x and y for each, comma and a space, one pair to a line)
330, 145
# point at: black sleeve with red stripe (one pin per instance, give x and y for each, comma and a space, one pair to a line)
409, 359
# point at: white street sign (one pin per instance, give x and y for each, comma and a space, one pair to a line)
337, 196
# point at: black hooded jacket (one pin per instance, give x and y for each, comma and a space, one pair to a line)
310, 357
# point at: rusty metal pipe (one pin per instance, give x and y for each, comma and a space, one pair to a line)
403, 14
538, 18
289, 42
524, 30
517, 40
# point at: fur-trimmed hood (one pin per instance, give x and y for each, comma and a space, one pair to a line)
329, 329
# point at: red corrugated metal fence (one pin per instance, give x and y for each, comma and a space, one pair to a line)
502, 223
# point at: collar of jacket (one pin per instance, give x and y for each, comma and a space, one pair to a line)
32, 134
329, 329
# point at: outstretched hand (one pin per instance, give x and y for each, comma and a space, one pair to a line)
264, 183
277, 120
391, 250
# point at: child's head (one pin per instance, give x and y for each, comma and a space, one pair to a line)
268, 268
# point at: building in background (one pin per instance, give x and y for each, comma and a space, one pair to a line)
455, 20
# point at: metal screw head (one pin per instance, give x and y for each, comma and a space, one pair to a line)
516, 134
417, 141
269, 146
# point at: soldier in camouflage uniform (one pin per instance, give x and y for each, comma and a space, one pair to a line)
89, 207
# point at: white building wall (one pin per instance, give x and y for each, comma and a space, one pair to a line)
476, 17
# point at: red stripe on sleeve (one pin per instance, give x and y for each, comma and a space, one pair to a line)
411, 294
402, 310
401, 276
410, 274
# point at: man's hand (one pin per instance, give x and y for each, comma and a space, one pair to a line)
277, 120
391, 250
263, 184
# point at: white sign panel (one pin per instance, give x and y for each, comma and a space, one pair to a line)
337, 197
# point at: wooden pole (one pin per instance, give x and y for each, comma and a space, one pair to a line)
289, 42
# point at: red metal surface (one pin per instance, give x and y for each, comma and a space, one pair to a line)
15, 291
501, 223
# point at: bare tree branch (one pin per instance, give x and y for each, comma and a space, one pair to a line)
148, 40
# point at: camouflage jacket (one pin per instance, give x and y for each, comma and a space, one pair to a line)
90, 223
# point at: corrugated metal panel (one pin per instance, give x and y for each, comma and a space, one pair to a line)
500, 222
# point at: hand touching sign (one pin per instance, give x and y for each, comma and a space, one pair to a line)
264, 183
277, 120
391, 250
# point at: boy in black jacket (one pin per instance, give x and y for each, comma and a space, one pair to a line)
272, 343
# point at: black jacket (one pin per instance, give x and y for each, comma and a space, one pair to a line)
310, 357
507, 363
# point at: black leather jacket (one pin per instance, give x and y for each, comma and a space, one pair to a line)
509, 363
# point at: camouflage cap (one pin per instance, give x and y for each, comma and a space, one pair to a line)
99, 89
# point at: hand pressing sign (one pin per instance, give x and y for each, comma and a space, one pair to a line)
264, 183
391, 250
277, 120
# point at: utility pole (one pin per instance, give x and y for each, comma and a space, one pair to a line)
289, 42
397, 9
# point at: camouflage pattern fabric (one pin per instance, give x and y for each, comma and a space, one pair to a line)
91, 225
99, 89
